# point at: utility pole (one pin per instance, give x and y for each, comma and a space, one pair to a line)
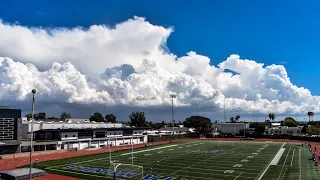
172, 96
31, 134
224, 108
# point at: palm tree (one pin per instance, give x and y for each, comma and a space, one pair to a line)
309, 114
271, 116
237, 117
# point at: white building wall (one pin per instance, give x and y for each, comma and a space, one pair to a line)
65, 125
285, 130
84, 145
230, 128
117, 141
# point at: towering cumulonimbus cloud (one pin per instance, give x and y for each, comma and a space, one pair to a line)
130, 65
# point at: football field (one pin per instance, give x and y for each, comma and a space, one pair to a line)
198, 160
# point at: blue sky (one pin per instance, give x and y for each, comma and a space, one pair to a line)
271, 32
281, 32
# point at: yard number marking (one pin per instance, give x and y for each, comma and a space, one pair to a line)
229, 171
237, 165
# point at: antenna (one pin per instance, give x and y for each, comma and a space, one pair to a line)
172, 96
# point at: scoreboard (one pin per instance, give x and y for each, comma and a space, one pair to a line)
7, 129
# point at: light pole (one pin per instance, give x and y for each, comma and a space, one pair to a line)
224, 110
31, 134
172, 96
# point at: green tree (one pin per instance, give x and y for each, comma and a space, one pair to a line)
29, 115
268, 123
314, 123
313, 130
65, 115
202, 125
52, 118
290, 122
156, 125
111, 118
97, 117
259, 127
232, 120
138, 119
304, 129
310, 114
40, 115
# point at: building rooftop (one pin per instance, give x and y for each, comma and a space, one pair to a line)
86, 129
78, 121
4, 107
21, 173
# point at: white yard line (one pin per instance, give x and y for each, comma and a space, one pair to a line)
238, 176
276, 159
148, 150
268, 165
292, 157
299, 163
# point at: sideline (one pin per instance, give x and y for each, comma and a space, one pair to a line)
284, 163
268, 165
299, 163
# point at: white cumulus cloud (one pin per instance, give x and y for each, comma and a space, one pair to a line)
129, 65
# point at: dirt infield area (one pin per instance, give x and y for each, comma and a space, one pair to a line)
12, 163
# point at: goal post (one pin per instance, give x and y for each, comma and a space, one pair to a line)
126, 170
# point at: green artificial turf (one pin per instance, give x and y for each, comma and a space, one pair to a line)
190, 161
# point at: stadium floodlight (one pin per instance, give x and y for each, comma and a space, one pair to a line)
172, 96
31, 134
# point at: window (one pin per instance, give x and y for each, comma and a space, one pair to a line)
135, 132
66, 136
74, 135
85, 134
115, 133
